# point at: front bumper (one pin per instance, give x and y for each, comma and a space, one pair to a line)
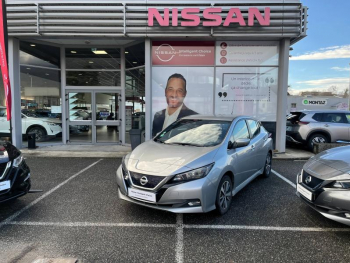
19, 178
174, 198
332, 204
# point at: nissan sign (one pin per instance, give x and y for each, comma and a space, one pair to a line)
211, 17
308, 102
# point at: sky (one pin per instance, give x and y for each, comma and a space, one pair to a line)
320, 61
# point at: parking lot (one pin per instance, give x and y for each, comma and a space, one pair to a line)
78, 215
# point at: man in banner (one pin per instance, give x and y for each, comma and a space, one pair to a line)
3, 58
175, 93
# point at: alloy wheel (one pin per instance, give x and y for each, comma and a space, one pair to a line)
318, 140
225, 195
268, 165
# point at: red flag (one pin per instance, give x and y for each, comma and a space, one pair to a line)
3, 60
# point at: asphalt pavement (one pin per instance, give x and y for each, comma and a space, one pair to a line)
78, 215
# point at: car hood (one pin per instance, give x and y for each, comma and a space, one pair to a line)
332, 164
161, 159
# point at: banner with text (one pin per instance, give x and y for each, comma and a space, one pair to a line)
242, 53
183, 53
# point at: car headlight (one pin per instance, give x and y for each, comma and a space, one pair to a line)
341, 184
52, 124
193, 174
124, 169
18, 161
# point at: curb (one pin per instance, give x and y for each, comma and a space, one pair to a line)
71, 154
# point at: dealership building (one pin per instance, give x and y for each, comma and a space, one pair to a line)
86, 72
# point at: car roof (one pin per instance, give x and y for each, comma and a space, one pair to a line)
216, 117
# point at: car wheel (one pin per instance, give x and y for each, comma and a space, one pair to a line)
316, 138
224, 195
40, 133
267, 167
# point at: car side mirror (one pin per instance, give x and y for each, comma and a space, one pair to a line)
241, 143
230, 145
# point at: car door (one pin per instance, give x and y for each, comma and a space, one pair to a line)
347, 115
257, 144
337, 126
4, 123
241, 158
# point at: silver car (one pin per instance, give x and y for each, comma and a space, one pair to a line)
324, 184
309, 127
196, 164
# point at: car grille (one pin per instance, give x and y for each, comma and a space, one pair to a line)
3, 170
153, 180
314, 181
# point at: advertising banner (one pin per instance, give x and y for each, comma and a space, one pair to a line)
241, 53
3, 58
183, 53
179, 92
247, 91
315, 102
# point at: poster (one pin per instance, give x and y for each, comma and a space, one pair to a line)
180, 91
246, 53
248, 91
187, 53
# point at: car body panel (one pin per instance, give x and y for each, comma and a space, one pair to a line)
327, 168
158, 159
300, 132
19, 177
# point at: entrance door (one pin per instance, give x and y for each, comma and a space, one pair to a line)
93, 117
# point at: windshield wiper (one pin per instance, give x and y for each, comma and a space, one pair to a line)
185, 144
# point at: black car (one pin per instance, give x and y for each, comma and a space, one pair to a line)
14, 173
324, 184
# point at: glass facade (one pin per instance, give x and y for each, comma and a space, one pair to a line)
41, 92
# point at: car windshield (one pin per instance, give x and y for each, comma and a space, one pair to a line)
200, 133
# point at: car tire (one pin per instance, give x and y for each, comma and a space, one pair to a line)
40, 133
319, 138
267, 168
224, 195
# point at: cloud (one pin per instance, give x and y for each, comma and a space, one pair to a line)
341, 69
323, 82
335, 85
325, 53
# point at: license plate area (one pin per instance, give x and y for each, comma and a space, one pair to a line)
143, 195
5, 185
304, 192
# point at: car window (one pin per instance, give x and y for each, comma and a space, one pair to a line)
348, 117
196, 132
317, 117
254, 127
240, 131
3, 113
334, 117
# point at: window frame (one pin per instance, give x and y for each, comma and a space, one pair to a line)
258, 124
249, 133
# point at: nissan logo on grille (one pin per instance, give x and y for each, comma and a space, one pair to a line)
144, 180
308, 179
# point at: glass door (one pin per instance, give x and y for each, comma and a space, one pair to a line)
79, 117
107, 116
93, 116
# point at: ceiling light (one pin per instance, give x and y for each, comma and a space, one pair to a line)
91, 62
73, 52
47, 74
135, 62
86, 82
32, 45
28, 68
126, 52
100, 52
80, 74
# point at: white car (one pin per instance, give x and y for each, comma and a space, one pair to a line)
43, 128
